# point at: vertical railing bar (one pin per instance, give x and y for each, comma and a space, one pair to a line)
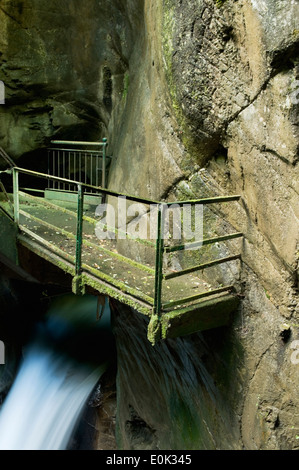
91, 175
85, 166
74, 166
53, 157
72, 170
80, 163
79, 232
97, 169
69, 168
58, 168
75, 176
49, 167
16, 200
104, 163
63, 159
159, 261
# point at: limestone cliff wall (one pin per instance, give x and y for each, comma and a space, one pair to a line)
195, 100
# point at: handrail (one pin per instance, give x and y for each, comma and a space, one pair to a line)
110, 192
208, 200
74, 142
7, 158
207, 241
200, 267
100, 189
160, 248
74, 150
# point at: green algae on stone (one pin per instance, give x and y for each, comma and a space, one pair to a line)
154, 329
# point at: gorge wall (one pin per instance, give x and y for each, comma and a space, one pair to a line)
196, 99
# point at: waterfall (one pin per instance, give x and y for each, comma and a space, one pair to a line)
60, 368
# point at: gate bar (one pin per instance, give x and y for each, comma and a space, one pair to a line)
15, 176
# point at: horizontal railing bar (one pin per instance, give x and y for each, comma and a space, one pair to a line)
48, 203
168, 249
90, 244
86, 218
48, 225
120, 285
88, 152
128, 196
191, 298
47, 253
85, 185
121, 232
69, 191
200, 267
33, 190
49, 245
129, 261
56, 207
208, 241
210, 200
72, 142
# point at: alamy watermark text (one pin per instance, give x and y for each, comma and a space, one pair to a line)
138, 220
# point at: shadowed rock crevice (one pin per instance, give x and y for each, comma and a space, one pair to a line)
140, 435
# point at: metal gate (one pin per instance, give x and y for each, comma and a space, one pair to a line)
85, 162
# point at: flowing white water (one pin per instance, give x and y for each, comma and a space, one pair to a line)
46, 399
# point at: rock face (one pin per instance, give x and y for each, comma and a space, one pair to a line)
186, 389
63, 67
195, 100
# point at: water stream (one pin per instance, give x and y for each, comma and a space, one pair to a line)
60, 368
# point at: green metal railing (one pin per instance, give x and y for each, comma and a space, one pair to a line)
159, 306
161, 248
84, 160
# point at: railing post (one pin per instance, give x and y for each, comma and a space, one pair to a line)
159, 260
16, 201
154, 328
104, 163
78, 287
